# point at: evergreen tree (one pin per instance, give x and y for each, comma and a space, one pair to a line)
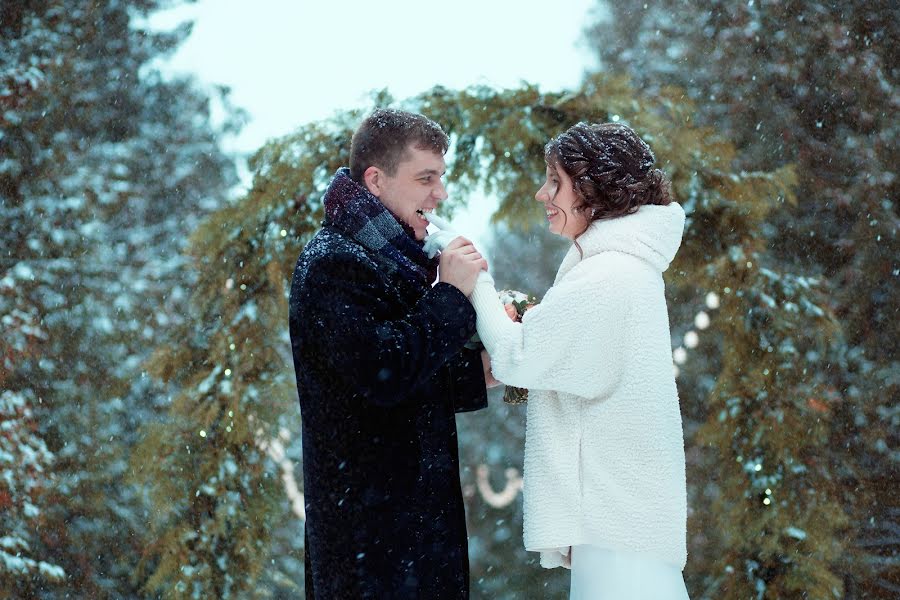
769, 317
213, 485
104, 169
25, 461
814, 84
24, 457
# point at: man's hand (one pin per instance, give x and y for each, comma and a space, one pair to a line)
460, 264
489, 380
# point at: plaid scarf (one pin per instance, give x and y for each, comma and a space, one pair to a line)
354, 210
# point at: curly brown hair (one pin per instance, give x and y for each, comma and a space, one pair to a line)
611, 168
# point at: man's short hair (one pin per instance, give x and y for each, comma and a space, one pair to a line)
384, 136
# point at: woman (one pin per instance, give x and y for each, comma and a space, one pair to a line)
604, 453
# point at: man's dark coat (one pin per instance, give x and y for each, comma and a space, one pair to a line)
381, 369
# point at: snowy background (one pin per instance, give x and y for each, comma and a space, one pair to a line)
157, 182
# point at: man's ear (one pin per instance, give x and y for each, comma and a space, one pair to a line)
374, 180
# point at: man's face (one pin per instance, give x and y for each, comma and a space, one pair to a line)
416, 185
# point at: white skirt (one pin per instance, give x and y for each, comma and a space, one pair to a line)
601, 574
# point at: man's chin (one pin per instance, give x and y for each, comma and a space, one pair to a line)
418, 231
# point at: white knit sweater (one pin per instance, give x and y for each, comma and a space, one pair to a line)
604, 448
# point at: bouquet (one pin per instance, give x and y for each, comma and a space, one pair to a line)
516, 304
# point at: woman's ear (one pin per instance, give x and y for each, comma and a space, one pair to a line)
374, 180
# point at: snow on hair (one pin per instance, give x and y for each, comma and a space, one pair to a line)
383, 137
611, 168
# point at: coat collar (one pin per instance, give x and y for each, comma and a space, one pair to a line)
653, 234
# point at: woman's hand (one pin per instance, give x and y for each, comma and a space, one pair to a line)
511, 312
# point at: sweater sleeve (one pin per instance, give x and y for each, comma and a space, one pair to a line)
573, 341
385, 360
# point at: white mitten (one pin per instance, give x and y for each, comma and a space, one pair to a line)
437, 241
440, 239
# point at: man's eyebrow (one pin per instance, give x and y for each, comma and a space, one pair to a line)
430, 172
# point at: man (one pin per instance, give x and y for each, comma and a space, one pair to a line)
381, 369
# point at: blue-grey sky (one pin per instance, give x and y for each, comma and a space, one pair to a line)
293, 62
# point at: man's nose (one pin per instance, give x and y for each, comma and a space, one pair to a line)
441, 191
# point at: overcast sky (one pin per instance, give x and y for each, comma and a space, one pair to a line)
293, 62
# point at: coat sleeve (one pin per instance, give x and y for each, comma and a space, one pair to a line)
385, 361
467, 378
572, 342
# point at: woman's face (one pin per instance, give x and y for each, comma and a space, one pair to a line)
559, 199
